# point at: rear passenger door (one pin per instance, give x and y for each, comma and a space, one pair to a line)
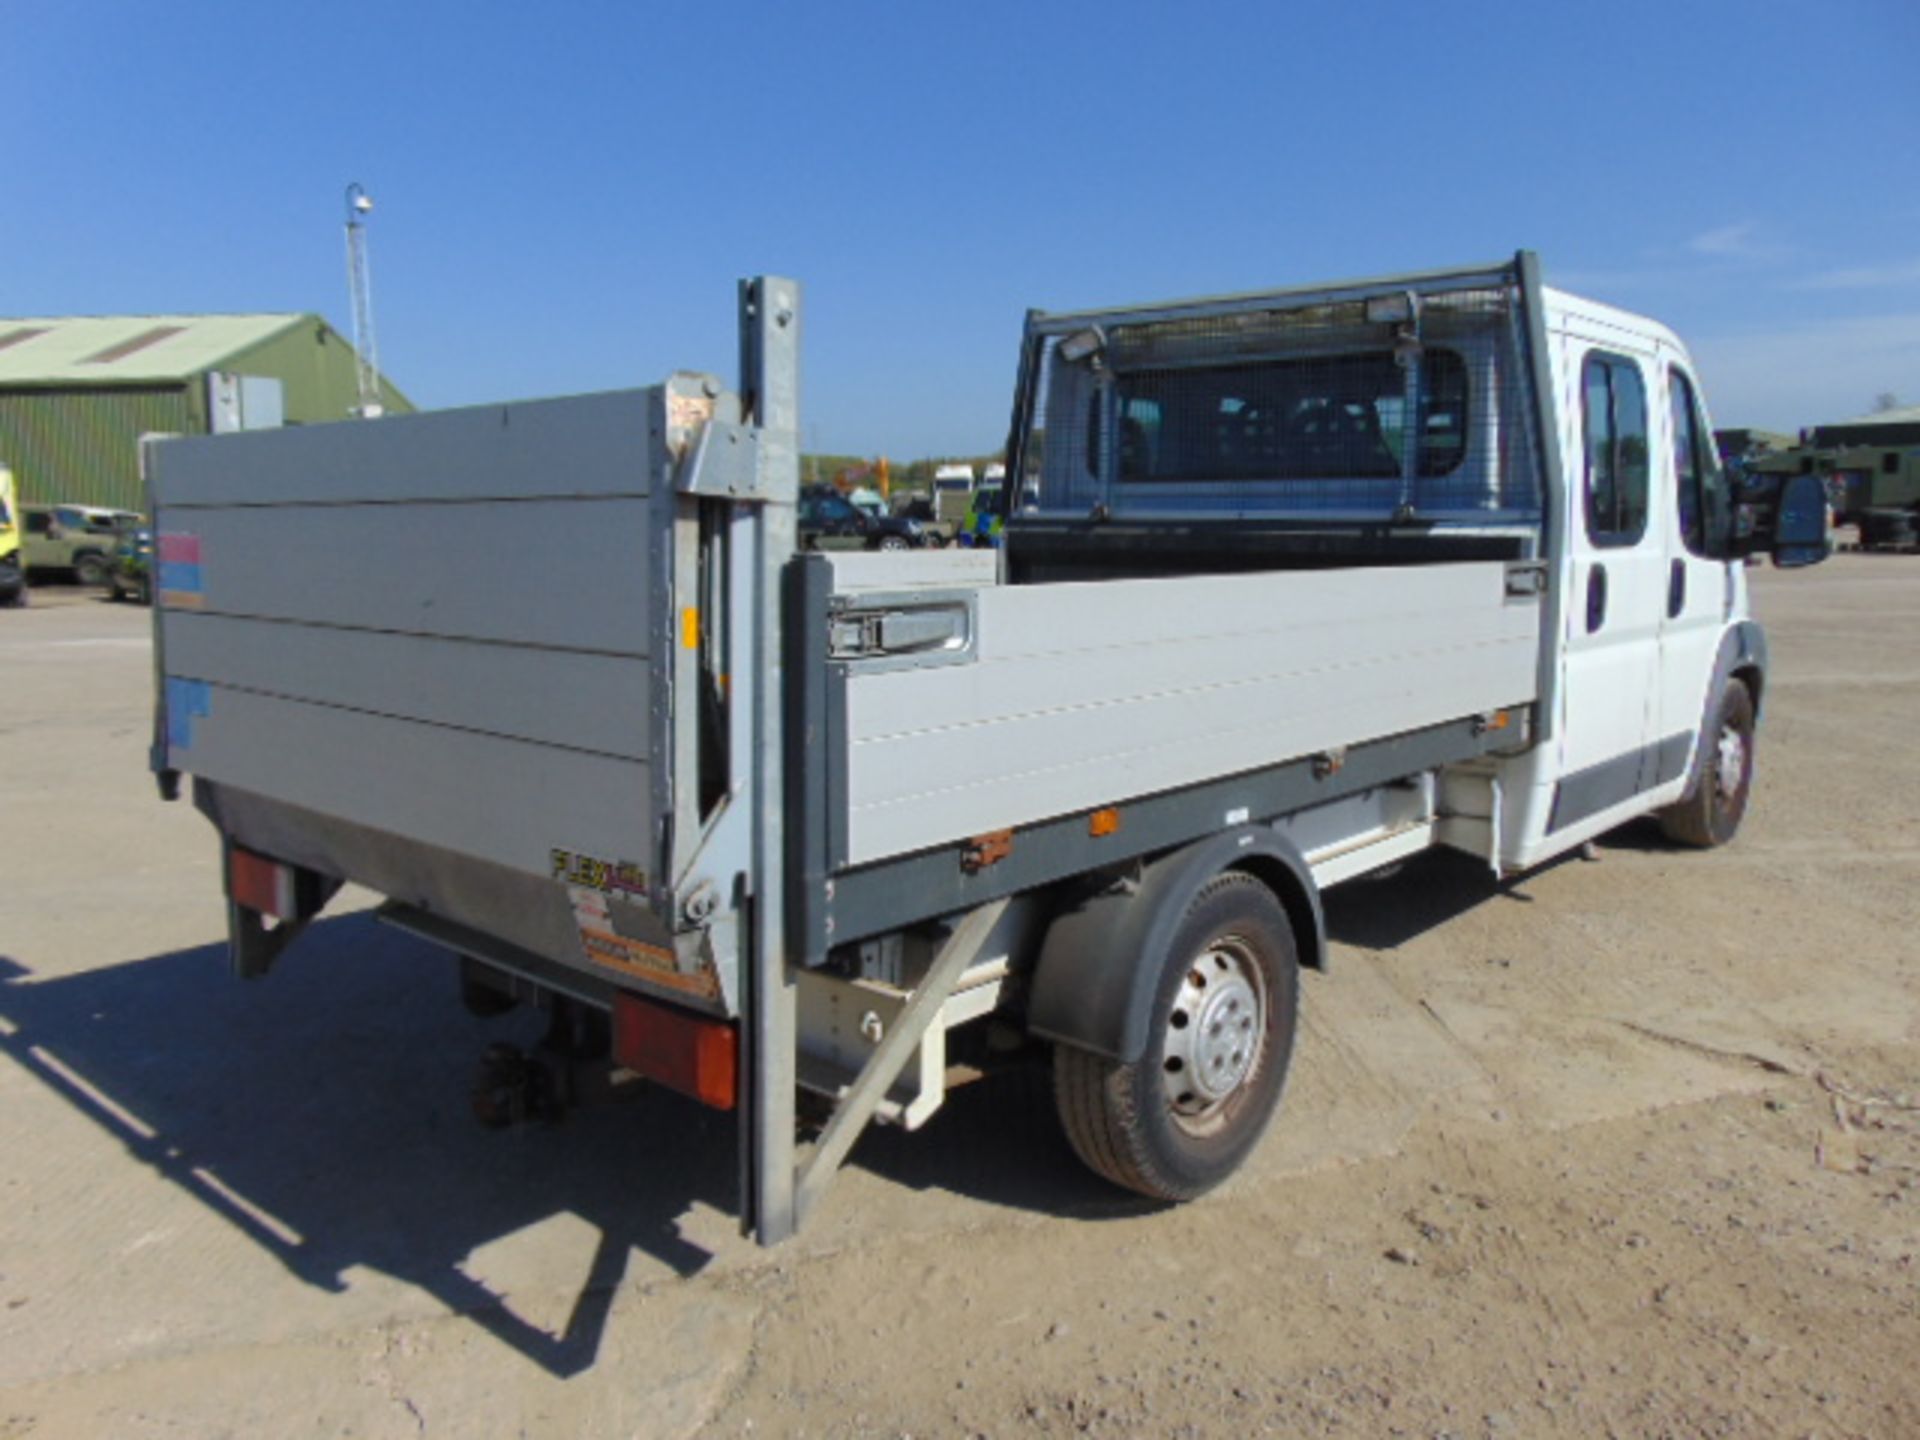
1615, 602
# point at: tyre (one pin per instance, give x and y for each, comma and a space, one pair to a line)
90, 569
1180, 1119
1886, 530
892, 542
1712, 814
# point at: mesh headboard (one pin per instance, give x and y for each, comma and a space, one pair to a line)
1402, 405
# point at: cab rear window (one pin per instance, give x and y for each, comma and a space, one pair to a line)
1321, 418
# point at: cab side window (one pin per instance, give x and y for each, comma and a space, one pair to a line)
1614, 406
1700, 485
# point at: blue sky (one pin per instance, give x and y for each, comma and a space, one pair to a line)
568, 192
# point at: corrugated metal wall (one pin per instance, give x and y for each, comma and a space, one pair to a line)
82, 444
317, 368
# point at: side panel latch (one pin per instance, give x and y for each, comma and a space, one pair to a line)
986, 850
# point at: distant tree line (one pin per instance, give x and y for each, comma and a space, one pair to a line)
910, 475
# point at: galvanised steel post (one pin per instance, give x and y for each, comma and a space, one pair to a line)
770, 389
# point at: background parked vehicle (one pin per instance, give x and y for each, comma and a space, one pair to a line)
13, 570
75, 540
952, 494
132, 575
830, 521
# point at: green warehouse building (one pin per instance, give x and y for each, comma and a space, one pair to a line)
76, 394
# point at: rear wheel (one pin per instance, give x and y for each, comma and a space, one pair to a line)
1712, 814
892, 542
1180, 1119
90, 569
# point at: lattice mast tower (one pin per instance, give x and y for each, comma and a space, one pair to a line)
366, 350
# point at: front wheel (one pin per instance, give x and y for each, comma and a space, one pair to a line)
1712, 814
892, 542
90, 569
1180, 1119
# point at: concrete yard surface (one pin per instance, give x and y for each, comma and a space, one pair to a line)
1628, 1147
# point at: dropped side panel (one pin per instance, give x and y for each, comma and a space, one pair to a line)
1083, 695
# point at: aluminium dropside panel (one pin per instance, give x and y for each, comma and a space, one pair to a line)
1076, 696
420, 653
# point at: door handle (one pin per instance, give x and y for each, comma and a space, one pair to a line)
1596, 598
1676, 589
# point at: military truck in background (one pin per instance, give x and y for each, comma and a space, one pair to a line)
1878, 488
1875, 488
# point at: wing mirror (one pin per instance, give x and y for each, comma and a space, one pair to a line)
1801, 534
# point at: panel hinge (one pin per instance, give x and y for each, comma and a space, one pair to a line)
726, 464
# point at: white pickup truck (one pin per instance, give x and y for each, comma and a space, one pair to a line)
1296, 584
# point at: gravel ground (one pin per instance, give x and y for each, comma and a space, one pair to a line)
1627, 1148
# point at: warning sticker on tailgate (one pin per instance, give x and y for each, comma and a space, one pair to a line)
599, 920
614, 925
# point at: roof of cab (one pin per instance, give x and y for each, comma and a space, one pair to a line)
1563, 303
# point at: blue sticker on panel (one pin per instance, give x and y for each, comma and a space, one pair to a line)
187, 701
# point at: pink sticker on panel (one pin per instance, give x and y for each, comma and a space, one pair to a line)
179, 549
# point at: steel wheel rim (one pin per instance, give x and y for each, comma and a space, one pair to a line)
1215, 1035
1730, 767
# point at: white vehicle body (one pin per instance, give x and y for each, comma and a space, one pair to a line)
1302, 583
952, 493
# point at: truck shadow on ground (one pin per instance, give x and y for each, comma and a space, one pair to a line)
999, 1140
1385, 912
325, 1115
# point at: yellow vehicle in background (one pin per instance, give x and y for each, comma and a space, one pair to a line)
13, 569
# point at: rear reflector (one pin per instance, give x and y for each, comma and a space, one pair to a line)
690, 1053
262, 884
